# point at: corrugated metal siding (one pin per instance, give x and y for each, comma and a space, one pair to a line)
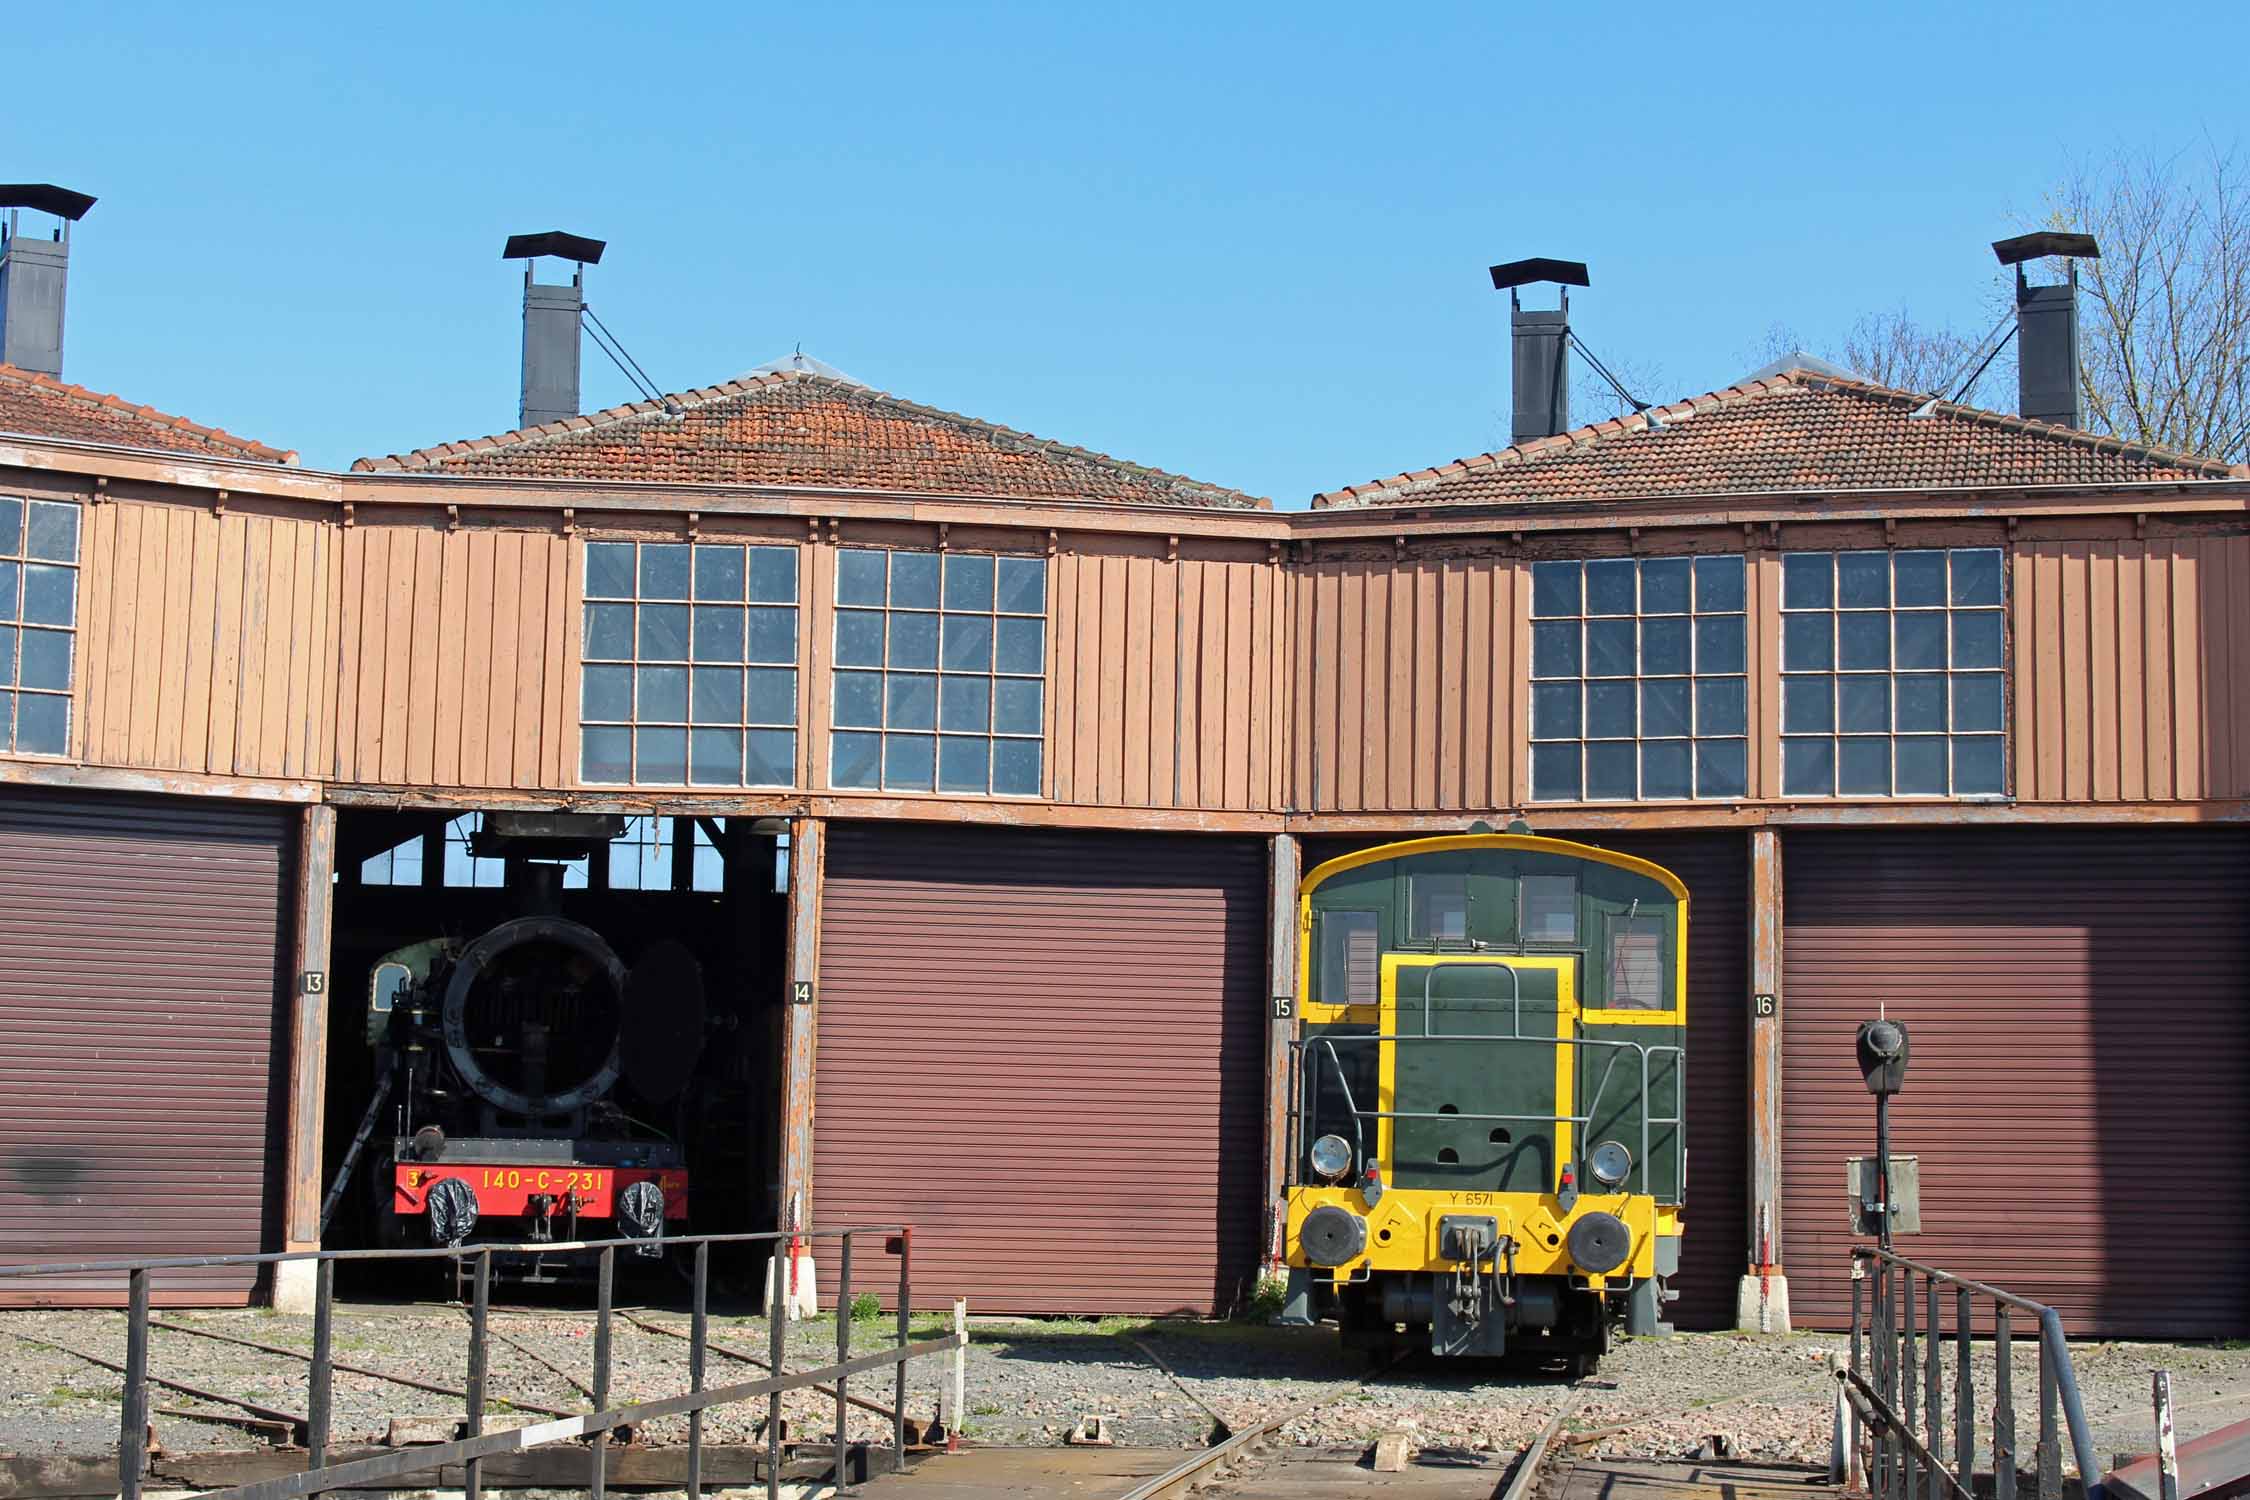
459, 663
140, 959
1045, 1051
2081, 1063
1169, 685
205, 641
1716, 868
2128, 667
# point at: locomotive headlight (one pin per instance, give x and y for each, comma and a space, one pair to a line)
1331, 1156
1610, 1164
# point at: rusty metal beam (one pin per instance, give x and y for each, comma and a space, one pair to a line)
808, 846
1284, 868
163, 783
1763, 1302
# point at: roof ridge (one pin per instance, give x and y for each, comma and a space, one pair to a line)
2216, 468
250, 447
745, 385
1796, 378
1534, 448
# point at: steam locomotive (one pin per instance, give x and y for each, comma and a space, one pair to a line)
525, 1072
1486, 1120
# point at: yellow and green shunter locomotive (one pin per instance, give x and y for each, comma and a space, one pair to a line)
1486, 1142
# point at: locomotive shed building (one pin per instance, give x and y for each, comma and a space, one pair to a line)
1933, 708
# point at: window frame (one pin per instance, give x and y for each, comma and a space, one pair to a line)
871, 727
17, 559
746, 722
1692, 679
1949, 676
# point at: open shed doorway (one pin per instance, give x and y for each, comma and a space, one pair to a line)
617, 1021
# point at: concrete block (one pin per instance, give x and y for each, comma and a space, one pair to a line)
1761, 1304
1391, 1453
293, 1282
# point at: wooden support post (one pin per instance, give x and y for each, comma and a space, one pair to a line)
1284, 865
808, 847
1762, 1303
308, 1055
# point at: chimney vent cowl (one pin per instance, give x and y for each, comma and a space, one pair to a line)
551, 314
1540, 346
2047, 386
35, 274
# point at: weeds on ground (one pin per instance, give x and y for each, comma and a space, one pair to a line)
1267, 1300
866, 1307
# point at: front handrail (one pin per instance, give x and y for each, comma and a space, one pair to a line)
1325, 1046
1908, 1424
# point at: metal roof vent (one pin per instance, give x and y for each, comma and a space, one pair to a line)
550, 324
1541, 346
2047, 388
34, 273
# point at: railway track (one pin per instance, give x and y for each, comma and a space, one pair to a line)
1254, 1465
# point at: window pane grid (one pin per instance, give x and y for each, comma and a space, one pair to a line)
38, 623
689, 665
940, 678
1892, 670
1639, 685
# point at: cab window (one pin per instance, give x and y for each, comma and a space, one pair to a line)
1440, 907
1349, 958
1636, 963
1550, 908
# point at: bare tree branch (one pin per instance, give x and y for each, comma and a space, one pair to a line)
2165, 311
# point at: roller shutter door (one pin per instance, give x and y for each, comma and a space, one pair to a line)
1716, 868
1046, 1051
139, 976
2079, 1003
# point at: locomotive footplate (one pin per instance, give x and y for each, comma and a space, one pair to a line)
524, 1190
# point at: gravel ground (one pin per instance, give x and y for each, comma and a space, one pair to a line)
1028, 1381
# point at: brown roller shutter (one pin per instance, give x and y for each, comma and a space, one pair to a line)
1045, 1050
2080, 1070
1716, 869
139, 973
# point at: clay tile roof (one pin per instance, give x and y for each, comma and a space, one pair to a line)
1799, 430
794, 427
36, 405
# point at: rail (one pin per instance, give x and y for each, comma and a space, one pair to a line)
1896, 1386
477, 1445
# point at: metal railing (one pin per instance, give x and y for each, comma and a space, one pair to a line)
1305, 1084
471, 1450
1895, 1385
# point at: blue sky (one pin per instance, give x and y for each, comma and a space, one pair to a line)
1247, 244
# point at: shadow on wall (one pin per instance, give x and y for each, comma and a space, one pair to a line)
2081, 1063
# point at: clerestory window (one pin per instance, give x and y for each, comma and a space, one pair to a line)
1638, 689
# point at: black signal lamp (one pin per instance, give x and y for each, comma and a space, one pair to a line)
1883, 1048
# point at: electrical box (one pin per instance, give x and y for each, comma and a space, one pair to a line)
1906, 1195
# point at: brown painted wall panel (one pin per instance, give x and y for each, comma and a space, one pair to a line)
459, 664
1163, 680
203, 640
1045, 1051
2127, 664
2075, 999
1408, 678
144, 951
